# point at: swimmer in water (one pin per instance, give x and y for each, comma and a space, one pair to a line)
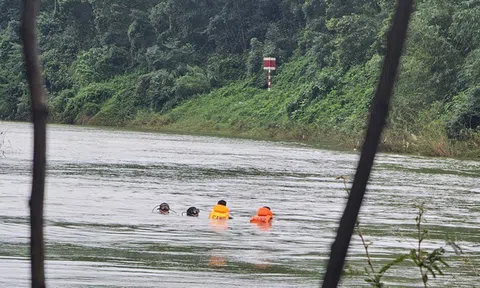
220, 211
264, 215
193, 211
163, 208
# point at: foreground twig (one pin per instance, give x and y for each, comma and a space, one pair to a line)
377, 121
427, 262
421, 236
2, 142
39, 114
359, 231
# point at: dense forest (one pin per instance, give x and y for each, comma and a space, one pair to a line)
197, 65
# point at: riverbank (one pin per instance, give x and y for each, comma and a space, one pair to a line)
298, 109
435, 144
431, 142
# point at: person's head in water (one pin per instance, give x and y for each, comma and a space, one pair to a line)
164, 208
193, 211
267, 207
220, 211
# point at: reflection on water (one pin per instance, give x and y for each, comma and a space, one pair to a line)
262, 266
102, 185
219, 225
217, 261
263, 226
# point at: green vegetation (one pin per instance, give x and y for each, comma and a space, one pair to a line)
195, 65
428, 263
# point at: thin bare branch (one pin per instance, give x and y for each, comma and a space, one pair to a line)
39, 114
377, 121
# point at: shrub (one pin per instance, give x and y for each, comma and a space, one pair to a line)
99, 64
96, 93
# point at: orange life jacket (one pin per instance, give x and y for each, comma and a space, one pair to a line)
264, 215
219, 212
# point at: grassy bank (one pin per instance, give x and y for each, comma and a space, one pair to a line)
308, 105
425, 145
198, 117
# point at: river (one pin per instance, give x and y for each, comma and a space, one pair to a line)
103, 183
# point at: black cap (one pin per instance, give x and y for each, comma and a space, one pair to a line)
222, 202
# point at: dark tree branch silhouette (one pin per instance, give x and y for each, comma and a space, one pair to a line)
378, 117
39, 114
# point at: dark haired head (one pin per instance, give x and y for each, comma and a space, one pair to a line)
222, 202
193, 211
267, 207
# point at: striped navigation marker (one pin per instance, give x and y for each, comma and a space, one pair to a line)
269, 63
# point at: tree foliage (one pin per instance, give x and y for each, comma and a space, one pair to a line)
170, 51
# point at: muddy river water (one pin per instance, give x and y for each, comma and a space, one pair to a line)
102, 185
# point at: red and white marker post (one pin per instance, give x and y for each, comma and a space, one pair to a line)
269, 64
